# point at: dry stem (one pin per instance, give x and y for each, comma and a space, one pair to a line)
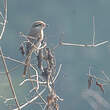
5, 19
9, 80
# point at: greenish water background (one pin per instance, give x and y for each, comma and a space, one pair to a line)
74, 19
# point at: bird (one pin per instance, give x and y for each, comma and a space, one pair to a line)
35, 37
36, 33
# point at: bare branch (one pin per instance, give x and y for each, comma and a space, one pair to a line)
57, 72
86, 45
6, 99
26, 81
1, 15
105, 75
9, 80
93, 30
83, 45
5, 19
30, 101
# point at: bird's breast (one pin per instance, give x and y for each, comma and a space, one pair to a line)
42, 34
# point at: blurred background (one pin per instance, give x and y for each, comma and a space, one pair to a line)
71, 20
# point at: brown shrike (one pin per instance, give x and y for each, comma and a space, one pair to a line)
35, 37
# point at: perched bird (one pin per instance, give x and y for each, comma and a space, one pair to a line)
36, 34
35, 37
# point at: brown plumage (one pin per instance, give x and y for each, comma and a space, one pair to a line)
35, 38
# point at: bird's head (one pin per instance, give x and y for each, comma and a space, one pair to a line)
39, 25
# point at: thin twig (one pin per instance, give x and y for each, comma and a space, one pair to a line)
83, 45
93, 30
1, 15
86, 45
5, 19
30, 101
97, 78
105, 75
37, 77
26, 81
37, 81
9, 80
6, 99
15, 60
57, 72
42, 83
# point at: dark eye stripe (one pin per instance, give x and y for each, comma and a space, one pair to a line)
36, 25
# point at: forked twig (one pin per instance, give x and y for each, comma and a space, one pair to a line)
86, 45
9, 80
83, 45
6, 99
39, 82
30, 101
106, 76
5, 19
